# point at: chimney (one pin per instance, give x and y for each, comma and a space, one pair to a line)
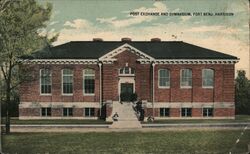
97, 39
126, 39
155, 40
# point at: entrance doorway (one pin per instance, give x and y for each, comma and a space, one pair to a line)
127, 91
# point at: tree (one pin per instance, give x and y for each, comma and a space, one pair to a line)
20, 23
242, 97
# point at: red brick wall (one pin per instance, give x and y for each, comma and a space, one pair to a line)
29, 112
224, 112
223, 90
30, 91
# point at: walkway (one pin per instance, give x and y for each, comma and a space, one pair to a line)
127, 117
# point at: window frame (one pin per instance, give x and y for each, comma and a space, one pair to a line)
169, 79
67, 110
122, 71
62, 75
186, 87
164, 112
92, 75
46, 112
186, 112
207, 115
205, 86
40, 82
89, 111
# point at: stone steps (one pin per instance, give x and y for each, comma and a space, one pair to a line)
127, 117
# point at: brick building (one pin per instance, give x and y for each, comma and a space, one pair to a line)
83, 79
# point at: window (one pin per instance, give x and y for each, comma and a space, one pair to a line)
127, 71
89, 81
186, 78
67, 112
46, 112
208, 112
45, 81
207, 78
67, 81
164, 112
164, 78
186, 112
89, 112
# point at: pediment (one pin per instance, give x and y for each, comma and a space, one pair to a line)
110, 56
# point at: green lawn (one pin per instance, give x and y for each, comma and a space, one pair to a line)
209, 141
238, 118
56, 121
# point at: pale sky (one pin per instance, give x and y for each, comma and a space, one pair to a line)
83, 20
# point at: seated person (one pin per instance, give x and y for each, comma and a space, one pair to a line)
115, 116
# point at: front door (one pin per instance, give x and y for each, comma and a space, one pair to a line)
126, 91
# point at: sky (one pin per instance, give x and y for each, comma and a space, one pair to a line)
83, 20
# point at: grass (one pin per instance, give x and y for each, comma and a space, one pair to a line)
15, 120
209, 141
238, 118
55, 121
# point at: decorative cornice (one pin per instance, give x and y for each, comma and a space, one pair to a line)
190, 61
60, 61
109, 56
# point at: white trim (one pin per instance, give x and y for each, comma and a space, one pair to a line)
192, 105
58, 104
108, 56
163, 87
59, 61
100, 87
201, 117
63, 117
153, 88
195, 61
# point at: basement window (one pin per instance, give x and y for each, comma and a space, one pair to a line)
208, 112
89, 112
67, 112
186, 112
46, 112
164, 112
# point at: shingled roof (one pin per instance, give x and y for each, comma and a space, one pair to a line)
157, 50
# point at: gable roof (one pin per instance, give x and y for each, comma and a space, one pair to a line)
157, 50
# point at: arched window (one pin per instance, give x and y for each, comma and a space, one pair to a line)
127, 71
89, 81
186, 78
67, 77
207, 78
45, 81
163, 78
